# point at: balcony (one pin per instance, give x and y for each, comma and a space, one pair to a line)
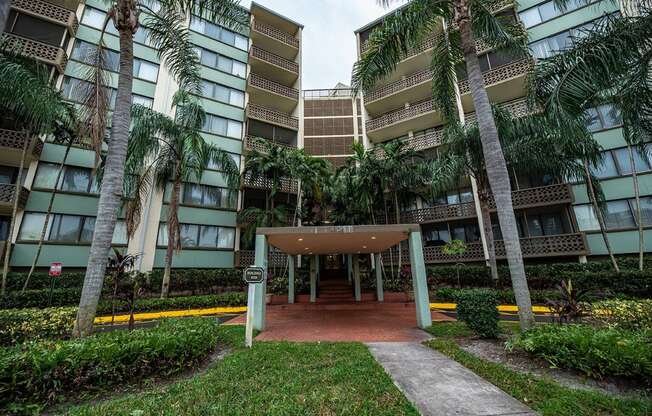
275, 67
274, 40
414, 87
271, 94
48, 11
248, 219
267, 115
246, 258
420, 142
11, 144
558, 194
258, 144
7, 195
504, 83
42, 52
517, 108
417, 116
563, 245
288, 186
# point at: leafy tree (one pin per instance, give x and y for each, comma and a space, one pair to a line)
609, 63
173, 152
465, 22
171, 39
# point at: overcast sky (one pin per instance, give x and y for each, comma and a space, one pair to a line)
329, 49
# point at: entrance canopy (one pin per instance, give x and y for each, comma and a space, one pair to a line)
346, 239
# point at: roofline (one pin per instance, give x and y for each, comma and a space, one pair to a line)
335, 229
254, 4
380, 19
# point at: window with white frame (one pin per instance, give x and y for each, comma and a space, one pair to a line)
222, 126
64, 228
200, 236
219, 33
209, 196
222, 63
145, 70
222, 93
548, 11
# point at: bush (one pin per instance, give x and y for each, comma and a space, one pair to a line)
19, 325
505, 297
633, 315
40, 298
477, 309
595, 352
40, 372
177, 303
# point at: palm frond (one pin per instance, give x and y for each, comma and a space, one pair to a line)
227, 13
444, 56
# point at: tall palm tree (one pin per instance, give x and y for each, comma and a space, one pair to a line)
312, 174
608, 63
36, 107
531, 146
465, 22
172, 40
173, 152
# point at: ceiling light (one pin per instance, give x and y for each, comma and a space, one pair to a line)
306, 249
364, 246
310, 252
299, 239
373, 237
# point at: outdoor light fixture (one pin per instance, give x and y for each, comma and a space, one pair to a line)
364, 246
373, 237
300, 239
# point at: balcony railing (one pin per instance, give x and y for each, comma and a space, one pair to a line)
248, 219
267, 115
260, 145
8, 193
274, 59
500, 74
394, 87
48, 11
275, 33
439, 213
420, 142
539, 196
288, 186
517, 108
12, 139
246, 258
48, 54
273, 87
401, 114
532, 247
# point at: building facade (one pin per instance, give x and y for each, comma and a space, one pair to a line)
252, 91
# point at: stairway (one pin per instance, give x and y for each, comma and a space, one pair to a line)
335, 291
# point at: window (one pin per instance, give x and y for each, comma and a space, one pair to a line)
554, 44
603, 117
155, 5
221, 93
222, 63
437, 237
85, 52
236, 159
74, 89
8, 174
200, 236
73, 178
646, 210
145, 70
76, 179
142, 35
224, 127
31, 226
618, 215
210, 196
66, 228
468, 233
547, 11
142, 100
641, 161
586, 219
219, 33
608, 167
95, 18
544, 224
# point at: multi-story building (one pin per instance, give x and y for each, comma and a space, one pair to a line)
253, 90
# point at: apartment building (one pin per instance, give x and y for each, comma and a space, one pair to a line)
252, 91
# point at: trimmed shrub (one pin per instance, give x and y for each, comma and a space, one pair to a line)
40, 298
19, 325
506, 297
177, 303
595, 352
40, 372
477, 309
633, 315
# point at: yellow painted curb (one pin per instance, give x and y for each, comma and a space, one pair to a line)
172, 314
501, 308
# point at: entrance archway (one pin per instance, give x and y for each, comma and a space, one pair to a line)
312, 242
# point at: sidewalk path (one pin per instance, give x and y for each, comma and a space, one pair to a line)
439, 386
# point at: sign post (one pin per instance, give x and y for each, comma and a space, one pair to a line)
252, 276
55, 271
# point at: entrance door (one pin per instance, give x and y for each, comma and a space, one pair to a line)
332, 267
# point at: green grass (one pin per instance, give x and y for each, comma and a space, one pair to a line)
457, 329
274, 378
543, 395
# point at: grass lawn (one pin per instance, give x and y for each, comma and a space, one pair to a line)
274, 378
543, 395
457, 329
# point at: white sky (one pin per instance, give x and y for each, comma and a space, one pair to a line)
329, 49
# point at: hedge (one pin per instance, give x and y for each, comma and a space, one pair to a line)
477, 308
635, 315
505, 297
177, 303
593, 351
38, 373
19, 325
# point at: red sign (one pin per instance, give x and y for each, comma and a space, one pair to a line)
55, 269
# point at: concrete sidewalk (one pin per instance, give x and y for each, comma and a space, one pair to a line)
439, 386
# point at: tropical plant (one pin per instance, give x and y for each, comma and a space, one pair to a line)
570, 306
170, 37
312, 174
126, 284
32, 105
172, 152
466, 23
609, 63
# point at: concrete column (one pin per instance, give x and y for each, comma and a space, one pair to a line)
290, 279
349, 267
380, 293
583, 260
419, 281
356, 277
313, 280
318, 269
260, 289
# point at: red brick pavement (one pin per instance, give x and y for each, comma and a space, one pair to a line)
364, 322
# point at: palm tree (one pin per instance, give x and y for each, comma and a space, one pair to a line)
174, 152
531, 146
311, 173
171, 38
465, 22
36, 107
609, 63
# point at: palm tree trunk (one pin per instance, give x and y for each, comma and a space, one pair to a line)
489, 237
599, 216
639, 216
12, 224
391, 258
496, 169
111, 193
5, 7
173, 228
47, 216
